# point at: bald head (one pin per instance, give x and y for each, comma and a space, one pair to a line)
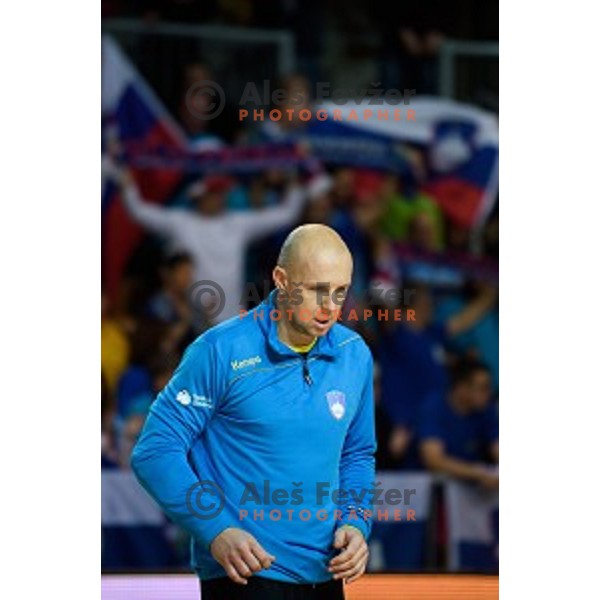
307, 242
313, 275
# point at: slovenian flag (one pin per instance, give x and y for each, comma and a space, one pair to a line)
133, 116
459, 142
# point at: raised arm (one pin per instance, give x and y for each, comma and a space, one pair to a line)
158, 219
261, 222
472, 312
257, 223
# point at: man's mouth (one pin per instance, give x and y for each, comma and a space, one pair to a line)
322, 322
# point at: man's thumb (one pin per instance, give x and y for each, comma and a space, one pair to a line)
340, 538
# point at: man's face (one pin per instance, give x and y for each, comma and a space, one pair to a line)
422, 232
480, 390
314, 290
423, 307
182, 276
211, 203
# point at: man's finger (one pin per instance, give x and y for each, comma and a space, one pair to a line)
350, 561
340, 539
357, 575
234, 575
262, 555
347, 574
241, 567
353, 571
351, 549
251, 560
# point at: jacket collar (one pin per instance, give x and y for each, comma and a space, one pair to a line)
324, 347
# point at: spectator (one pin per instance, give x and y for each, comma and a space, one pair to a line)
161, 370
262, 191
114, 346
171, 305
412, 38
359, 225
108, 452
458, 430
383, 459
216, 239
261, 256
413, 362
411, 208
342, 193
480, 341
296, 97
148, 339
207, 129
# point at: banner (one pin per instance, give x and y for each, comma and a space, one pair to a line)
401, 544
472, 527
134, 529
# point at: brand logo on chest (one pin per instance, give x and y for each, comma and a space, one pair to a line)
247, 362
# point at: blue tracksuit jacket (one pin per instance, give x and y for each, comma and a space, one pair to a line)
275, 431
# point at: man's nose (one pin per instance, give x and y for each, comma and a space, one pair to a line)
327, 303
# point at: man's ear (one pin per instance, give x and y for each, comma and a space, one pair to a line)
280, 278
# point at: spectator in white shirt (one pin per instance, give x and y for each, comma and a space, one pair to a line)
215, 238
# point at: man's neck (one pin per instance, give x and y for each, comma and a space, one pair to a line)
290, 336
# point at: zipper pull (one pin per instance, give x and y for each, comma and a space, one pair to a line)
306, 373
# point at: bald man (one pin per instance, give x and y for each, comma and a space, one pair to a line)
262, 444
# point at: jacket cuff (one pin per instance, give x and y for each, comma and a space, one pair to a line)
358, 522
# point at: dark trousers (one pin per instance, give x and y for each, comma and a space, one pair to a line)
259, 588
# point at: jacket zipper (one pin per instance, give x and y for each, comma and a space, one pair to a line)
305, 370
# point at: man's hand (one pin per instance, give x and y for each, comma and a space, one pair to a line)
399, 441
111, 169
351, 563
488, 480
239, 554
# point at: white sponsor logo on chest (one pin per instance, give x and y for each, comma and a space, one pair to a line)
247, 362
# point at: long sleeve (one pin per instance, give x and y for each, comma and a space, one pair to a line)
158, 219
177, 417
357, 466
261, 222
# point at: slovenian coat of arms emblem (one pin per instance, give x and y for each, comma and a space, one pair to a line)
337, 403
